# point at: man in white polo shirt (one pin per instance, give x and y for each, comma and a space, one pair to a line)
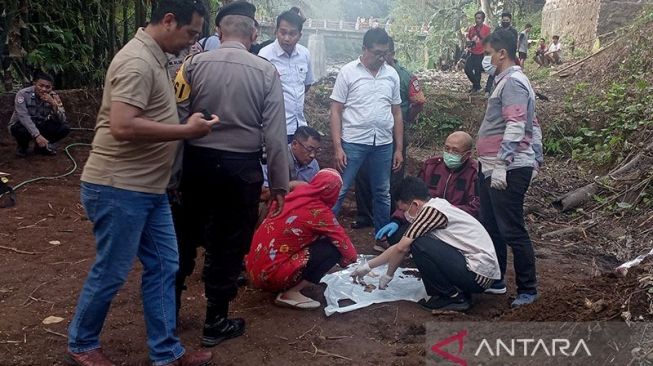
293, 62
365, 114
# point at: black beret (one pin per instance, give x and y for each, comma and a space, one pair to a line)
236, 8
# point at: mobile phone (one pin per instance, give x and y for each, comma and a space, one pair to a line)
206, 115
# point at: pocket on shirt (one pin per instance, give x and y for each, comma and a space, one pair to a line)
302, 71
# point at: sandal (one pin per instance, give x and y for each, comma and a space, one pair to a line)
293, 304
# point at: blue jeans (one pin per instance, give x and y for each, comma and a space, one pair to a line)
129, 224
378, 161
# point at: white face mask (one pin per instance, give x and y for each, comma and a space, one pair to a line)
410, 218
487, 65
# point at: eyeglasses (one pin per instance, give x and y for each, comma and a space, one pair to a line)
309, 149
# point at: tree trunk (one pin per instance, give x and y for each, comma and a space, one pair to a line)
112, 29
487, 9
125, 22
139, 10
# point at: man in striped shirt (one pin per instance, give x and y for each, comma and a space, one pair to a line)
451, 249
509, 147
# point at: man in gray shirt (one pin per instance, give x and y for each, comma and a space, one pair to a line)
221, 176
522, 44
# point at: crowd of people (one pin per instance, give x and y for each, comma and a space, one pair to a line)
245, 185
477, 61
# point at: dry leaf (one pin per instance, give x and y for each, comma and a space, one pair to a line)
55, 242
52, 320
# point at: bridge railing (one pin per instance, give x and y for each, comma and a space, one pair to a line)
328, 24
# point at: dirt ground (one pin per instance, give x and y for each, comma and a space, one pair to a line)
48, 247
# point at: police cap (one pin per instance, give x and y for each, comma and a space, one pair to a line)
236, 8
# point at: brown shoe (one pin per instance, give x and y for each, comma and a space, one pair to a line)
195, 358
91, 358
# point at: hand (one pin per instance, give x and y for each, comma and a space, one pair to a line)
535, 172
386, 231
498, 180
340, 159
46, 97
279, 198
384, 281
41, 141
360, 272
198, 127
397, 161
57, 101
265, 194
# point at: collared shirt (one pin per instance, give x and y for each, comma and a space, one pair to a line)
554, 47
523, 42
137, 76
295, 73
367, 116
510, 134
296, 171
31, 111
245, 92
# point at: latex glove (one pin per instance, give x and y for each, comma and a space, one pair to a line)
360, 272
387, 231
498, 180
535, 172
384, 280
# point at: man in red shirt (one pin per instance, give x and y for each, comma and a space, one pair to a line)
475, 36
452, 176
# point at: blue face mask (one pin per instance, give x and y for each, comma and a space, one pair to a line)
452, 161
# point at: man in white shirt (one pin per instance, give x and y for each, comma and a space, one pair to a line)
553, 54
293, 62
365, 116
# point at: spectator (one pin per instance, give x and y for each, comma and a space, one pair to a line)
293, 62
522, 46
475, 36
412, 103
365, 117
38, 116
539, 53
553, 55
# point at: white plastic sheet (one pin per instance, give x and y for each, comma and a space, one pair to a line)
340, 287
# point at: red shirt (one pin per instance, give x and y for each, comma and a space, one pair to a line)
478, 35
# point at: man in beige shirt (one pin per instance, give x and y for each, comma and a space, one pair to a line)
123, 188
221, 176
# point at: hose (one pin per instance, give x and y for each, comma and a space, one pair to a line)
71, 171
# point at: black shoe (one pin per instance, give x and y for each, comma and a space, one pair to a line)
360, 225
242, 279
222, 330
460, 302
21, 151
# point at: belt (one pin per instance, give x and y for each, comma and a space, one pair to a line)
221, 154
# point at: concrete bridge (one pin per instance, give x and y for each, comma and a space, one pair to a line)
317, 33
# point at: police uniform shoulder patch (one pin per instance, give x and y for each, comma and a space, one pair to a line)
182, 87
20, 99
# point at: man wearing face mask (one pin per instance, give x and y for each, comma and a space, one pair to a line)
510, 151
293, 62
452, 251
452, 176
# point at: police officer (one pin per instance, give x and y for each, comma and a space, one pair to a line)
222, 177
38, 115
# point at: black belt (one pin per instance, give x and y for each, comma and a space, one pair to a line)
222, 154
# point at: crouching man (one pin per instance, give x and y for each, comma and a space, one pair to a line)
39, 116
451, 249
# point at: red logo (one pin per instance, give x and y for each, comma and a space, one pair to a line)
458, 337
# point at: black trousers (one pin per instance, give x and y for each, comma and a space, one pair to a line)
220, 195
322, 256
53, 130
364, 195
443, 268
474, 69
502, 215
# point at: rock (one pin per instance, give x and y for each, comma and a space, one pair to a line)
52, 320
